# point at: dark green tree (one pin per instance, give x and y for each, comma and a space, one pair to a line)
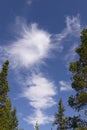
60, 120
75, 122
79, 76
81, 128
8, 119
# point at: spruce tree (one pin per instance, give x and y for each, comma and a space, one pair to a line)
75, 122
60, 120
8, 119
36, 126
79, 76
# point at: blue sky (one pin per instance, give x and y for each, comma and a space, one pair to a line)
39, 37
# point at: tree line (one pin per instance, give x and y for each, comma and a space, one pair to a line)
78, 102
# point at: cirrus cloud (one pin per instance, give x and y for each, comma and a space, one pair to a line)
73, 28
64, 85
33, 44
39, 116
39, 93
28, 50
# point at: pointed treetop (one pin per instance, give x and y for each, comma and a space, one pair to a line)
36, 126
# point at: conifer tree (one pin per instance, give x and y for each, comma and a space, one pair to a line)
79, 76
76, 123
36, 126
8, 119
60, 120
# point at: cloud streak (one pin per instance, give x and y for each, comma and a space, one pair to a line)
40, 92
30, 49
73, 27
71, 55
64, 86
40, 95
39, 116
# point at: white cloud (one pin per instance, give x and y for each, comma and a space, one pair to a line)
29, 2
64, 86
33, 45
38, 116
30, 48
73, 24
40, 95
71, 55
68, 38
40, 92
73, 27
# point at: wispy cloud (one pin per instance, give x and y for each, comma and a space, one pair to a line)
40, 95
71, 54
68, 39
33, 44
30, 48
64, 85
39, 116
40, 92
29, 2
73, 27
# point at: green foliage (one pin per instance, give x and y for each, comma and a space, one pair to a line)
79, 84
76, 122
79, 75
60, 120
8, 119
81, 128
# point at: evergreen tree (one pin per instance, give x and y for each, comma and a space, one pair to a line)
79, 76
79, 72
60, 120
36, 126
75, 122
81, 128
8, 119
